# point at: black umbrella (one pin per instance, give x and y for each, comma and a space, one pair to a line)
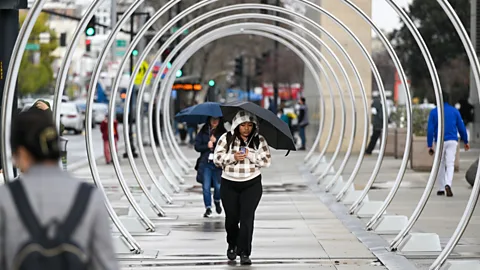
276, 132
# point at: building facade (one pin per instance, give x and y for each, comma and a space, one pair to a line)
363, 31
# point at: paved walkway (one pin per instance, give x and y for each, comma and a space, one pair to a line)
441, 215
295, 226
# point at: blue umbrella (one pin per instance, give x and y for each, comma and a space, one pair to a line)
199, 114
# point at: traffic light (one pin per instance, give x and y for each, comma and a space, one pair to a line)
91, 30
211, 83
179, 73
258, 67
63, 39
239, 66
88, 44
135, 52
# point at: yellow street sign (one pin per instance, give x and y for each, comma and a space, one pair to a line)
141, 74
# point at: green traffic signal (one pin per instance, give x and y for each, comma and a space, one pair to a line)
90, 31
179, 73
169, 65
211, 83
135, 52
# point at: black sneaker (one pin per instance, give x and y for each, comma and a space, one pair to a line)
441, 193
232, 253
245, 260
208, 213
218, 208
448, 190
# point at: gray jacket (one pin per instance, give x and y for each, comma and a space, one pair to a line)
303, 116
51, 193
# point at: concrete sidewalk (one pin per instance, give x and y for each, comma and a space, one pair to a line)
295, 229
440, 216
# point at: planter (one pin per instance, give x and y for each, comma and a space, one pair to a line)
400, 140
390, 146
420, 160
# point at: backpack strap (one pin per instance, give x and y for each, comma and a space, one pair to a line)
78, 209
24, 209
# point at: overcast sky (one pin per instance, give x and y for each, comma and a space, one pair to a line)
384, 16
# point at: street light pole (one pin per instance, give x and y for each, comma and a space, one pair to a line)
275, 66
9, 28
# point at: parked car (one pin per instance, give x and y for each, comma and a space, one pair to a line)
72, 118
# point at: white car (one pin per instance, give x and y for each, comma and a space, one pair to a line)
71, 117
100, 111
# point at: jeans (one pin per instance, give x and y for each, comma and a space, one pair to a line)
447, 165
240, 201
191, 134
211, 177
302, 136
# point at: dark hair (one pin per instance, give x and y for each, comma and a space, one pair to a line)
446, 97
303, 99
37, 133
254, 142
219, 131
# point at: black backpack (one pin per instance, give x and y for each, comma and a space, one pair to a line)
42, 252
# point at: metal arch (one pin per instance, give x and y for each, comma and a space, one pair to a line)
439, 147
155, 206
147, 72
10, 83
61, 79
263, 16
171, 81
179, 62
186, 54
93, 83
313, 23
402, 76
472, 201
256, 15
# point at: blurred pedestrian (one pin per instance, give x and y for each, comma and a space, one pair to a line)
241, 153
303, 122
377, 122
106, 139
48, 219
205, 143
453, 125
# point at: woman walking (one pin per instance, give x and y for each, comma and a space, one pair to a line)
241, 153
205, 143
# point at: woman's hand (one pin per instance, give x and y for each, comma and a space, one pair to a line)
239, 156
210, 144
213, 139
42, 106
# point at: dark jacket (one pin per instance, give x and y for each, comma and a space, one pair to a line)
377, 119
201, 144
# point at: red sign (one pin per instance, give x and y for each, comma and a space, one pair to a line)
285, 92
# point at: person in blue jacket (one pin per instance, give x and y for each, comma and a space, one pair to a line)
453, 125
205, 143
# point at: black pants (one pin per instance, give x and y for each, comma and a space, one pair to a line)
373, 140
240, 200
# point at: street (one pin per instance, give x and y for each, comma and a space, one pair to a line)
76, 147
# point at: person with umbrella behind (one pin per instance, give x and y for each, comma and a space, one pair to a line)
205, 143
241, 153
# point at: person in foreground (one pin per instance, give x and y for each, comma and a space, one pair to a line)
241, 154
48, 219
210, 174
453, 125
